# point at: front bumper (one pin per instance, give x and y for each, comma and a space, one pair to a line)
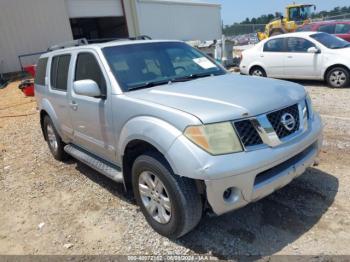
249, 176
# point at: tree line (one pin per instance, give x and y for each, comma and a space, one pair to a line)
254, 24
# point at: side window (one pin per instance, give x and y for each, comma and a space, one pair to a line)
274, 45
342, 28
87, 67
327, 29
298, 45
41, 71
59, 72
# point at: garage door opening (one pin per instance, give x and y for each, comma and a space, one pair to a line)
99, 28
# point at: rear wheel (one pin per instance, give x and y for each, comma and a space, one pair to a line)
257, 71
338, 77
54, 141
170, 203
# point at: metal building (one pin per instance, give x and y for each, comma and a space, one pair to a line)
29, 26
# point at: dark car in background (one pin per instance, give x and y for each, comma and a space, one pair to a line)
338, 28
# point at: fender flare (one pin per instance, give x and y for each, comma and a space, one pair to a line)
48, 108
154, 131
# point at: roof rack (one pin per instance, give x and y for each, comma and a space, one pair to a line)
77, 42
141, 37
84, 41
135, 38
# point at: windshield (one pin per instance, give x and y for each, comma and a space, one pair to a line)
145, 65
330, 41
300, 13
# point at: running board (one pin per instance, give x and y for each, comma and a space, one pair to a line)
99, 165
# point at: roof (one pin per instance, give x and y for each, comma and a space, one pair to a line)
295, 34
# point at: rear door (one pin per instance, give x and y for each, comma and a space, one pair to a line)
58, 84
272, 57
298, 62
92, 117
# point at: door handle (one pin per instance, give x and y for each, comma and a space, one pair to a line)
74, 105
261, 55
290, 56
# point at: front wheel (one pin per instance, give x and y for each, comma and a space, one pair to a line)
170, 203
338, 77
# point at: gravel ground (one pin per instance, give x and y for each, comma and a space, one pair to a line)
48, 207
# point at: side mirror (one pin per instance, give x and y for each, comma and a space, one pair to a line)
87, 88
314, 50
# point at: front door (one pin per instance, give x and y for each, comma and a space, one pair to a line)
300, 64
91, 121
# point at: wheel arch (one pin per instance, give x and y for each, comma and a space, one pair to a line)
329, 68
142, 134
255, 66
48, 110
133, 150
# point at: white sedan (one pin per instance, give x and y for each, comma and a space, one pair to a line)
302, 55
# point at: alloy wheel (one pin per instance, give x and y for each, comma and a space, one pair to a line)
257, 72
155, 197
51, 136
338, 78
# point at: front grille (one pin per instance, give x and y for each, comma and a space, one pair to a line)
275, 120
246, 131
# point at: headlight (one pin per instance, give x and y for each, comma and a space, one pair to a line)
309, 106
216, 139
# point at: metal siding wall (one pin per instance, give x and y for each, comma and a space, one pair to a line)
28, 26
94, 8
184, 21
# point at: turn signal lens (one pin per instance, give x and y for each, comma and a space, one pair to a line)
216, 139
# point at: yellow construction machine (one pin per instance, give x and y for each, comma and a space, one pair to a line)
295, 16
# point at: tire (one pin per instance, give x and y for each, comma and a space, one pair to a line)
183, 209
257, 71
338, 77
54, 141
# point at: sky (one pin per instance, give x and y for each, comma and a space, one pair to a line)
239, 10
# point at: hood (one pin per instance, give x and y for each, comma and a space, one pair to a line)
223, 98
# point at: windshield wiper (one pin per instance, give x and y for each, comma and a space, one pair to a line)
169, 81
148, 84
190, 77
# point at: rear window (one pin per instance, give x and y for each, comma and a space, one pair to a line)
41, 71
59, 72
274, 45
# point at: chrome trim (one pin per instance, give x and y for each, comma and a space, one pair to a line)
266, 131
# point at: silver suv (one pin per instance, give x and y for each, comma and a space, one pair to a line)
183, 134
